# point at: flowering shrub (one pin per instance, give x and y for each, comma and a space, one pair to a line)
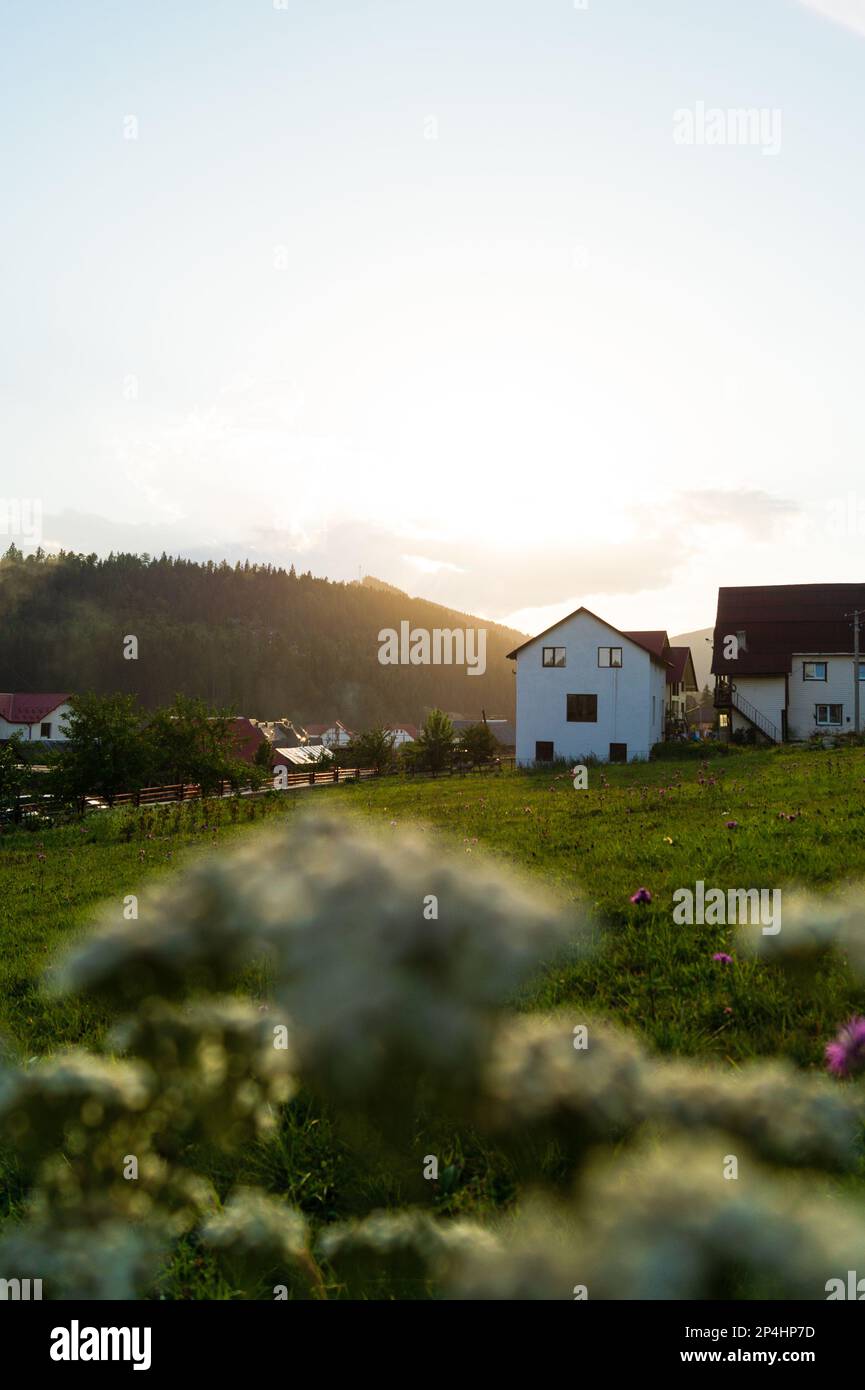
393, 975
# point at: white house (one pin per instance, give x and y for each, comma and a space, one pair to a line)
783, 660
38, 718
334, 735
586, 689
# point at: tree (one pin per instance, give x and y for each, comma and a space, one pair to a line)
105, 751
189, 743
435, 743
374, 748
14, 774
477, 744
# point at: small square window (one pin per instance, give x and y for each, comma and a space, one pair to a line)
829, 714
543, 752
618, 752
553, 656
45, 731
609, 656
582, 709
814, 670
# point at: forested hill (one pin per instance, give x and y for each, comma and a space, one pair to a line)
263, 640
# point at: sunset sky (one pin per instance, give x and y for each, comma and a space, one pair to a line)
431, 292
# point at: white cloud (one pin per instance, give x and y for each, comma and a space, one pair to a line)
850, 13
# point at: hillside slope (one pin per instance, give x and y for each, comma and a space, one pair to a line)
264, 640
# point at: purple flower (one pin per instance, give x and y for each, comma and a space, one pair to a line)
846, 1055
642, 895
723, 958
732, 824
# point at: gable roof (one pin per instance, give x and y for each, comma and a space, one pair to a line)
29, 709
681, 667
632, 636
318, 729
780, 619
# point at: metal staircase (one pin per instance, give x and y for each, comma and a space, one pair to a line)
727, 697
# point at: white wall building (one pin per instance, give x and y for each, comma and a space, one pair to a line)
38, 718
586, 689
789, 672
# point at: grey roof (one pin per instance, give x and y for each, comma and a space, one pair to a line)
502, 730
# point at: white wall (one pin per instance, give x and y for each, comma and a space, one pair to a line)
837, 689
765, 693
31, 732
624, 694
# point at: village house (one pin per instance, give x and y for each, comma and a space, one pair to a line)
502, 730
334, 735
402, 733
38, 718
783, 660
586, 689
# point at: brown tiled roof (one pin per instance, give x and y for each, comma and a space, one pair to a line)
780, 619
29, 709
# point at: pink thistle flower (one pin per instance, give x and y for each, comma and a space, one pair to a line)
846, 1055
723, 958
642, 895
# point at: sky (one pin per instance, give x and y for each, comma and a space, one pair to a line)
492, 299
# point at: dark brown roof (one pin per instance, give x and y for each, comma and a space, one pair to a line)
633, 636
780, 619
681, 667
655, 641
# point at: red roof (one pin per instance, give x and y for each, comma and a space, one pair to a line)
410, 729
29, 709
248, 738
316, 730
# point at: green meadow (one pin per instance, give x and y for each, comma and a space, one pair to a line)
798, 818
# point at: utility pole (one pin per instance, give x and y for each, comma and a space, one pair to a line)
856, 671
856, 615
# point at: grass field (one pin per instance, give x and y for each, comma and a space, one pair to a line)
799, 817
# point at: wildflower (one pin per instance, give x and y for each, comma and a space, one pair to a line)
668, 839
642, 895
723, 958
846, 1055
732, 824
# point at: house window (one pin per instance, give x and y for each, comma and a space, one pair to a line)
723, 721
582, 709
553, 656
543, 752
814, 670
829, 714
618, 752
45, 730
862, 670
609, 656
